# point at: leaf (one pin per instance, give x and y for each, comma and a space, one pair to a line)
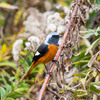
10, 38
41, 68
94, 73
3, 92
96, 33
87, 35
6, 63
18, 96
97, 1
82, 61
82, 94
62, 3
11, 78
18, 71
69, 88
12, 86
23, 53
24, 62
97, 87
2, 19
83, 81
9, 98
81, 90
98, 29
21, 90
93, 88
5, 58
88, 44
74, 96
74, 80
80, 74
93, 83
15, 94
7, 6
62, 91
81, 57
18, 16
4, 80
18, 92
6, 74
21, 60
2, 22
30, 57
93, 58
6, 84
4, 48
98, 58
94, 44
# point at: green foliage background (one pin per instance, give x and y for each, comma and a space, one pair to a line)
10, 72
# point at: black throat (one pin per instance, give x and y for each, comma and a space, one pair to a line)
53, 41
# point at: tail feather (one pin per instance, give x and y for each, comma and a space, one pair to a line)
34, 64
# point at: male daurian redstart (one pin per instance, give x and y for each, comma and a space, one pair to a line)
46, 51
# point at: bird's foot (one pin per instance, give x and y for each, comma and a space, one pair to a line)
54, 60
49, 73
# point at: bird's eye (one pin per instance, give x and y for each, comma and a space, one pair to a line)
55, 36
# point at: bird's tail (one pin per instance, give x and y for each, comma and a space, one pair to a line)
33, 65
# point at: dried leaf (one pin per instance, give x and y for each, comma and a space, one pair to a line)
93, 58
97, 87
4, 48
94, 73
5, 5
83, 81
94, 44
18, 16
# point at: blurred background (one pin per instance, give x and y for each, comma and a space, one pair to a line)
23, 26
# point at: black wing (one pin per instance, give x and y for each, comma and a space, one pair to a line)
41, 51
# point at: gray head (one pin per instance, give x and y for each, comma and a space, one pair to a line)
52, 38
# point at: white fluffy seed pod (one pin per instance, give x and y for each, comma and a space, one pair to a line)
33, 43
16, 49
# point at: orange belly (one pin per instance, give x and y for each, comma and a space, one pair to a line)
46, 58
49, 55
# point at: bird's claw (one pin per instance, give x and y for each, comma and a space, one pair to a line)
49, 73
54, 60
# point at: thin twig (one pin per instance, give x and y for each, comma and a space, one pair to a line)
24, 75
57, 95
59, 51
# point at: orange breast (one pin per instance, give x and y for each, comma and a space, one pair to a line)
49, 55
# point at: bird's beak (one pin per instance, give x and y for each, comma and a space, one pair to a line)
60, 36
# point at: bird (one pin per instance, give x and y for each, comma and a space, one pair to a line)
46, 51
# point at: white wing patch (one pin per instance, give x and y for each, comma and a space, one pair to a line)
37, 53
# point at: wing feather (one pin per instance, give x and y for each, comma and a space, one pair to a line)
41, 51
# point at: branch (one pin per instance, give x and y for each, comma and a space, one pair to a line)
53, 92
59, 50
